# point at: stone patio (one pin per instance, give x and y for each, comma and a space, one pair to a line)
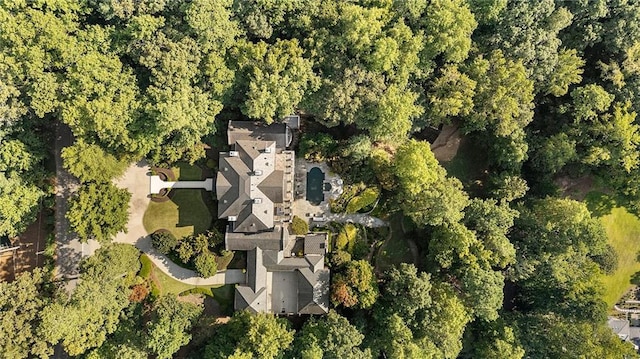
305, 209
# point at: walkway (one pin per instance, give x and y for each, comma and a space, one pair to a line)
136, 180
157, 184
69, 250
361, 218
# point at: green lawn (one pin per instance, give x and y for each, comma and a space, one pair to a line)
395, 250
187, 172
623, 231
185, 214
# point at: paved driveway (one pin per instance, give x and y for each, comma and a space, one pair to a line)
136, 180
69, 250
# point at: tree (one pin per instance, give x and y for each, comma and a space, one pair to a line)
406, 293
354, 286
99, 211
556, 241
113, 260
568, 71
299, 226
276, 78
450, 95
448, 26
330, 337
503, 95
205, 264
483, 291
495, 339
83, 320
391, 117
425, 194
22, 301
249, 335
589, 101
492, 222
100, 102
528, 32
169, 327
19, 203
553, 153
316, 147
552, 336
164, 241
90, 163
444, 323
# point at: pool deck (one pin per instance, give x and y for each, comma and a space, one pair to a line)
309, 212
301, 206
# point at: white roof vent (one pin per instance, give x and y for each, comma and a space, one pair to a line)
234, 153
267, 150
257, 200
257, 173
232, 218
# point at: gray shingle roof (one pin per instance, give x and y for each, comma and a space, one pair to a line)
315, 243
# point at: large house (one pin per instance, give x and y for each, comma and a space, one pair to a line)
254, 188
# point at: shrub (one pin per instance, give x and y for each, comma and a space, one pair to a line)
299, 226
347, 237
224, 259
316, 147
340, 258
205, 264
164, 241
197, 290
138, 293
185, 250
364, 199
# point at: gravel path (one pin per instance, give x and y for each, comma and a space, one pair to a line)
136, 181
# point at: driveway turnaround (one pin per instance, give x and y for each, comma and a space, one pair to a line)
136, 180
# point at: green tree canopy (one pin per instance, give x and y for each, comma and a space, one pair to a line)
90, 163
249, 335
19, 203
169, 327
99, 211
21, 303
330, 337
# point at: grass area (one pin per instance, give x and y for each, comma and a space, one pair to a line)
187, 172
185, 214
395, 250
623, 231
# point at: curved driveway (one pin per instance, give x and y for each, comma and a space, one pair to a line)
136, 181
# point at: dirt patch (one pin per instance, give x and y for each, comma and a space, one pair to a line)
25, 258
197, 299
446, 145
575, 188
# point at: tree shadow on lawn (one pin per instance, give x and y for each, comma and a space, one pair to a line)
192, 209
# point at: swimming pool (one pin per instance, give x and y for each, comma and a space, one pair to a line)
315, 179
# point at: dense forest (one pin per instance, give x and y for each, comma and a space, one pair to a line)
509, 267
